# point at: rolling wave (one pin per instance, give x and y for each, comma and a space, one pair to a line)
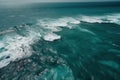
111, 18
16, 42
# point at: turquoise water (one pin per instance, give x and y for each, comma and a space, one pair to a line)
60, 41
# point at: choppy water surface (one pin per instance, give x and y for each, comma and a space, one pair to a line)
60, 42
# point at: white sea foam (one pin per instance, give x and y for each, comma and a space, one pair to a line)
91, 19
54, 25
16, 47
1, 45
115, 18
51, 37
6, 31
111, 18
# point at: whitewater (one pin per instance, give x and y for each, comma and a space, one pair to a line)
60, 41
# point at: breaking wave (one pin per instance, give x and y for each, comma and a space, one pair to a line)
111, 18
16, 42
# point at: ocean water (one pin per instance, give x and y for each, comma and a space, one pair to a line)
60, 41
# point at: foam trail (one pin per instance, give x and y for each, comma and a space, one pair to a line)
7, 31
86, 30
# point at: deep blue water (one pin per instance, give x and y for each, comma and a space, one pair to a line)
60, 41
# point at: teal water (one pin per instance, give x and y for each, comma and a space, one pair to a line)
60, 41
